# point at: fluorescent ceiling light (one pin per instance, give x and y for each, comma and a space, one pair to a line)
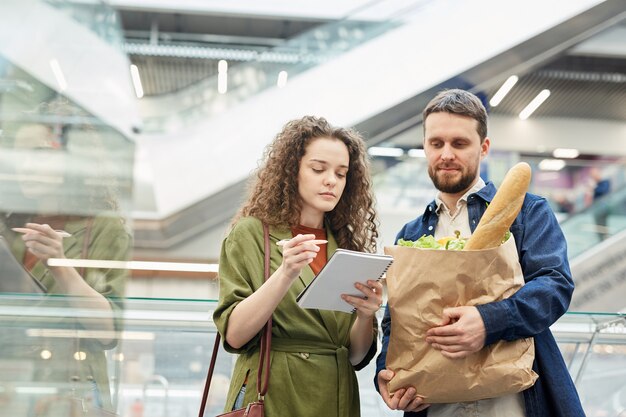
534, 104
36, 390
134, 74
282, 79
89, 334
136, 265
417, 153
43, 179
222, 76
222, 66
503, 91
551, 164
157, 392
380, 151
565, 153
58, 74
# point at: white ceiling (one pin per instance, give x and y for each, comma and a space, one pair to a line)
319, 9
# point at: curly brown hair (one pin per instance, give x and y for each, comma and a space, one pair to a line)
273, 194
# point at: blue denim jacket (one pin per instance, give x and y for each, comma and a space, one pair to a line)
531, 310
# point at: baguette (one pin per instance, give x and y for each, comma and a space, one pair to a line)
503, 210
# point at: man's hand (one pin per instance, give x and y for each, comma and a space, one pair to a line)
461, 333
403, 399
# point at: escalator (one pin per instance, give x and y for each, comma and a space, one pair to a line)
75, 50
390, 76
383, 57
66, 111
596, 240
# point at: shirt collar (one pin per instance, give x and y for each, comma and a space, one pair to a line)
479, 185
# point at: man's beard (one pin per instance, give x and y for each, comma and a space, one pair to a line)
446, 184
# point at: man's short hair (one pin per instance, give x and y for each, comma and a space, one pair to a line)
460, 102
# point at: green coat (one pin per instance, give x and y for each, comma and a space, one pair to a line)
311, 374
109, 239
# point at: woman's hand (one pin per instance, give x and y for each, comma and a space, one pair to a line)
43, 241
298, 253
366, 307
362, 333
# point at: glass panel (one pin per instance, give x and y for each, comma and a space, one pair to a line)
403, 183
605, 218
157, 358
594, 347
96, 15
66, 186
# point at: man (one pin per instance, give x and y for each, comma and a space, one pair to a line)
601, 187
455, 141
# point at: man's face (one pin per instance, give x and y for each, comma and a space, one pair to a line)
453, 150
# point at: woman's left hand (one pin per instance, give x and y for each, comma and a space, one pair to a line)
43, 241
366, 307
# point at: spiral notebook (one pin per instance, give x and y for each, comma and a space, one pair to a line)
338, 276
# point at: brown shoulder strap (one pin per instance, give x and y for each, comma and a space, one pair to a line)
207, 385
266, 341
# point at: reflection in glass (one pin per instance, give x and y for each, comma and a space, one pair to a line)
65, 187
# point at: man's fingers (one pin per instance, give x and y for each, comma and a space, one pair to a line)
456, 355
395, 399
449, 330
449, 348
444, 340
406, 398
452, 312
422, 407
384, 377
417, 404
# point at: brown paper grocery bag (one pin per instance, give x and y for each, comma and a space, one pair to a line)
420, 284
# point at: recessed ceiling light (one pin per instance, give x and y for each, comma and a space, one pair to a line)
381, 151
565, 153
503, 91
417, 153
534, 104
551, 164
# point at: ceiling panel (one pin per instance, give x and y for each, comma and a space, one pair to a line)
580, 87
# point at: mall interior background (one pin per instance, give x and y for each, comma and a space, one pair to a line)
162, 109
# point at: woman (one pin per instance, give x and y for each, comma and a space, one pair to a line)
48, 226
314, 185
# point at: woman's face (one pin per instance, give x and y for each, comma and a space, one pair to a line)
321, 178
40, 166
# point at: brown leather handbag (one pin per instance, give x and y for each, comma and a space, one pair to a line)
256, 408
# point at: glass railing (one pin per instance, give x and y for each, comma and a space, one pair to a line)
56, 355
605, 218
265, 67
402, 183
96, 15
594, 348
58, 162
66, 175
